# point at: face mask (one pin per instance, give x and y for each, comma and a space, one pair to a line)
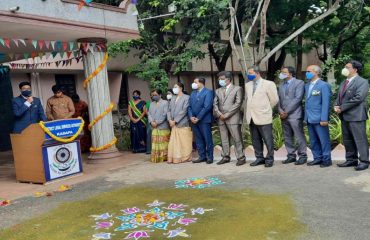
175, 91
169, 97
26, 93
251, 77
136, 97
222, 82
155, 98
310, 75
195, 86
283, 76
345, 72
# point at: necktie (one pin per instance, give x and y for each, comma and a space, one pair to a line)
254, 87
344, 88
286, 84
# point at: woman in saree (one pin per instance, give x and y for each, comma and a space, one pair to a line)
137, 112
180, 146
160, 128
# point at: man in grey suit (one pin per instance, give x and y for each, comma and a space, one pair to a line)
351, 106
226, 106
291, 93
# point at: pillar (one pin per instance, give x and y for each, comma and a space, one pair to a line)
102, 132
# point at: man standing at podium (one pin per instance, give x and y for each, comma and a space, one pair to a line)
59, 106
26, 108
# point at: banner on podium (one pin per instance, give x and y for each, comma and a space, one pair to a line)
62, 160
63, 128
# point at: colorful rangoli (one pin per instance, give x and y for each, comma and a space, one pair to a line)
135, 223
198, 182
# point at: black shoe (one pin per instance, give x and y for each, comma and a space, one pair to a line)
324, 165
209, 161
269, 163
240, 162
314, 162
289, 160
199, 160
223, 161
348, 164
362, 166
257, 162
301, 161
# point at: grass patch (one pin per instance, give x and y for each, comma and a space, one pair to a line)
242, 214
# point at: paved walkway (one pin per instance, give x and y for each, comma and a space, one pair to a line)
332, 202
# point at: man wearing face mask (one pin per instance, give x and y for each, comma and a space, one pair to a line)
226, 106
317, 112
59, 106
26, 108
261, 97
351, 106
169, 95
291, 93
200, 114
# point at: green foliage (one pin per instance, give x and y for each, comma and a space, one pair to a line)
335, 129
336, 64
277, 130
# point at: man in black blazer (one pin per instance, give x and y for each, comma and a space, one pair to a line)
351, 106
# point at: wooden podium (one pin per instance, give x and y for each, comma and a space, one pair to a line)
34, 162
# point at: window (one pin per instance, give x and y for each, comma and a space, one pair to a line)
67, 83
123, 95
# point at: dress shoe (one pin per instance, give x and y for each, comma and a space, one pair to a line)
289, 160
314, 162
199, 160
223, 161
269, 163
362, 166
301, 161
348, 164
240, 162
258, 162
209, 161
324, 165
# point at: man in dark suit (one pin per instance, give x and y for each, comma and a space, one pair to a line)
317, 112
291, 93
26, 108
200, 114
226, 105
351, 105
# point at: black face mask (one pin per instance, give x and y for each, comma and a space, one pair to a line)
26, 93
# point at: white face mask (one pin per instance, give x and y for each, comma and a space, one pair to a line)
283, 76
345, 72
175, 90
169, 96
195, 86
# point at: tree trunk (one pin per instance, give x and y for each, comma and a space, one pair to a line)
299, 57
308, 24
261, 48
275, 65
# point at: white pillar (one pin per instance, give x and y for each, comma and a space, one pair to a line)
99, 100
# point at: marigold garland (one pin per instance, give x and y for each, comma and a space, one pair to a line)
98, 118
96, 72
63, 140
113, 142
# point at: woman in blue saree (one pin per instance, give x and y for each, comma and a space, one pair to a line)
138, 121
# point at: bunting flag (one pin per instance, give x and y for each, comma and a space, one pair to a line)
41, 44
16, 42
58, 45
43, 64
23, 42
83, 3
34, 43
69, 54
3, 43
7, 42
53, 44
47, 44
65, 45
26, 55
71, 45
11, 56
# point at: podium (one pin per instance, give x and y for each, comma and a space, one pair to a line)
40, 159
